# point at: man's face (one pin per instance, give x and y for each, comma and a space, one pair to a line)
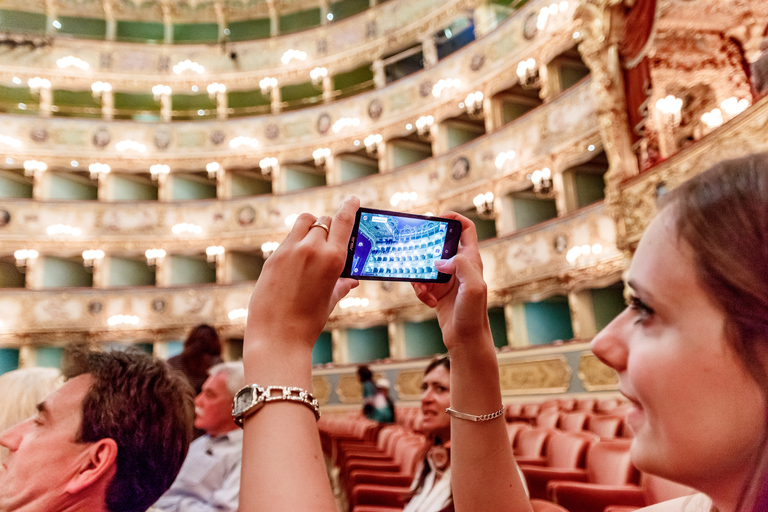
43, 453
213, 406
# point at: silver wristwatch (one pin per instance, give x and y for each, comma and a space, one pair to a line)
252, 397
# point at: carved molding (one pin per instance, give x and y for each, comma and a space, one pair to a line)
546, 375
595, 375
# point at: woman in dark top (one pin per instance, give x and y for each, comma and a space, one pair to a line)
202, 349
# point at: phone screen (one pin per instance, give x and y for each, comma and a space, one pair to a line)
393, 246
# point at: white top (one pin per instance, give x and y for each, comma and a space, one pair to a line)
209, 479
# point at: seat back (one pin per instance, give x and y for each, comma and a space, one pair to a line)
530, 411
585, 404
546, 506
548, 418
530, 443
609, 463
514, 429
574, 421
569, 449
606, 426
657, 489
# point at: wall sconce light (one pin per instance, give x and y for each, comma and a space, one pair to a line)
267, 85
548, 12
321, 156
116, 320
734, 106
130, 145
353, 302
9, 141
713, 118
98, 170
318, 75
72, 61
268, 166
158, 170
214, 253
670, 106
292, 54
502, 159
528, 73
424, 125
24, 257
36, 84
445, 84
484, 204
267, 248
186, 228
90, 256
213, 168
33, 167
290, 220
577, 254
237, 314
216, 88
403, 197
188, 65
373, 144
474, 103
240, 141
161, 90
542, 180
345, 122
154, 256
63, 229
99, 88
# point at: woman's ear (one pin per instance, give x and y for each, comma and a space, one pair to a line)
98, 462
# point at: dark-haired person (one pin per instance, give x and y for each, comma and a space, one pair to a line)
209, 479
111, 439
202, 349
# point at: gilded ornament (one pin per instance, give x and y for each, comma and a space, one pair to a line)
408, 384
321, 388
547, 375
595, 375
349, 389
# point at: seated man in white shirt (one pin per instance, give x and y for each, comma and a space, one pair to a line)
209, 479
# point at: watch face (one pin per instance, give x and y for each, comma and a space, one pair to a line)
243, 400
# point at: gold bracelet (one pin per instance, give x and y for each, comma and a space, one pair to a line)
472, 417
252, 398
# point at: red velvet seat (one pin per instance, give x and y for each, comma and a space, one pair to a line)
606, 426
544, 506
574, 421
378, 498
548, 418
530, 446
608, 464
585, 404
397, 470
513, 412
514, 429
529, 412
565, 453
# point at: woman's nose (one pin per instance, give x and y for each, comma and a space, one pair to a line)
610, 344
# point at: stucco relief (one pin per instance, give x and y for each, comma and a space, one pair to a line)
595, 375
349, 389
408, 384
321, 388
546, 375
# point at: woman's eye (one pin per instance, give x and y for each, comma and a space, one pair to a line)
640, 308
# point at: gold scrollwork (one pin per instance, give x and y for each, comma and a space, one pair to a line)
321, 388
408, 384
349, 389
548, 375
596, 376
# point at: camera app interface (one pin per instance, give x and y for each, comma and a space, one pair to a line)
397, 247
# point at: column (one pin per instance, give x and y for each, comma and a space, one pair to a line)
164, 191
484, 18
278, 180
517, 330
274, 98
505, 217
167, 23
439, 138
332, 170
26, 356
165, 107
429, 51
100, 274
221, 21
492, 115
163, 271
109, 17
582, 314
340, 349
396, 331
107, 105
327, 89
222, 106
564, 188
325, 9
50, 13
379, 75
46, 101
274, 21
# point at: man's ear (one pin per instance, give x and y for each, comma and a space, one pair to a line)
98, 462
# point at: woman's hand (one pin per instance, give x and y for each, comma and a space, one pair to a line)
461, 303
299, 284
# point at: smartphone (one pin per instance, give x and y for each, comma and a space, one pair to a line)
394, 246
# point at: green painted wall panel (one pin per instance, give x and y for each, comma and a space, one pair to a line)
245, 266
590, 188
408, 155
301, 20
529, 212
9, 359
347, 8
60, 272
458, 136
126, 189
62, 187
191, 270
365, 345
302, 91
548, 321
130, 272
245, 186
140, 31
498, 326
248, 30
48, 357
353, 78
298, 180
136, 101
13, 184
18, 21
86, 28
10, 277
607, 303
322, 352
511, 111
183, 189
195, 33
423, 339
351, 170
